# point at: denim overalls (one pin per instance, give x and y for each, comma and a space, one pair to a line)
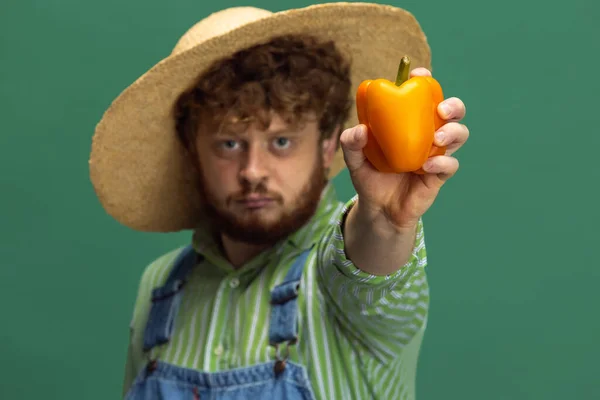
278, 379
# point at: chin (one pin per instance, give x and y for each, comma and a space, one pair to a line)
261, 217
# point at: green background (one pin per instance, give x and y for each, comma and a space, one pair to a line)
512, 238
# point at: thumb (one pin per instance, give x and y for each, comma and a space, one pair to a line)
352, 141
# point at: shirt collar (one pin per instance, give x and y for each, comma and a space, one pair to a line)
306, 236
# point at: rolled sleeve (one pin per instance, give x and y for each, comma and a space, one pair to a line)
381, 313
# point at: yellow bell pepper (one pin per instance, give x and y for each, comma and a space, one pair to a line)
401, 119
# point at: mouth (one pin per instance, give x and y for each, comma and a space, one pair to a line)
255, 202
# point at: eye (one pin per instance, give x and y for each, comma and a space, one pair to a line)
229, 144
282, 143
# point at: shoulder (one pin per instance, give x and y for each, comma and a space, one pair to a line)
332, 230
157, 271
153, 275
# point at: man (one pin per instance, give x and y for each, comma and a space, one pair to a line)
283, 292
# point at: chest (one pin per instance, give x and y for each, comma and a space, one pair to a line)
224, 320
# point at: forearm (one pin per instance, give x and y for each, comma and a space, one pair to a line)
373, 244
381, 313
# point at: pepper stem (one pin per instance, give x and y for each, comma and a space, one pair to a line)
403, 70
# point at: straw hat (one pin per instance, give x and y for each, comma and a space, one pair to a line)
137, 166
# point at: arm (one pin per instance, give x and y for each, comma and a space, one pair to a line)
375, 285
383, 313
153, 275
130, 369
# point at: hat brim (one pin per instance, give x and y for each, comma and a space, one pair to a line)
137, 166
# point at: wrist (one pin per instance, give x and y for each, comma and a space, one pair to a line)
380, 222
373, 244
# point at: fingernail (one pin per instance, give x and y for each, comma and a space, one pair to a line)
445, 108
358, 131
440, 136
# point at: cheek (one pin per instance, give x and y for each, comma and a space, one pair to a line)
294, 176
220, 177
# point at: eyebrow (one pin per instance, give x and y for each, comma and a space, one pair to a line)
228, 132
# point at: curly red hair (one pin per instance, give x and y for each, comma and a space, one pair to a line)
293, 76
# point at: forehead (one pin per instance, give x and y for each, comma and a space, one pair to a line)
306, 126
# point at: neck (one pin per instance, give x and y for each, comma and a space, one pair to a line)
239, 253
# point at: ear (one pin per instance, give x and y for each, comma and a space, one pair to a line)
329, 148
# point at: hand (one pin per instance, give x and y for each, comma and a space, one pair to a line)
403, 198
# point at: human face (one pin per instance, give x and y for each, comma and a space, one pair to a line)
262, 185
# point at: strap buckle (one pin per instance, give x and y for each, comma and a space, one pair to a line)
282, 357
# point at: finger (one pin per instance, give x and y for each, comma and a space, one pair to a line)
452, 109
452, 135
420, 71
442, 166
352, 141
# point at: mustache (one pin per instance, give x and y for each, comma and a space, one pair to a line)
260, 190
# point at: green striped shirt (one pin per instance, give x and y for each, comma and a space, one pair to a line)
359, 335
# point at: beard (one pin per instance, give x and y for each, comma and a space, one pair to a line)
253, 229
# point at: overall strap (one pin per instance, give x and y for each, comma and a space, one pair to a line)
284, 300
166, 300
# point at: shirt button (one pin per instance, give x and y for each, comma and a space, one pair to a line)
235, 282
219, 350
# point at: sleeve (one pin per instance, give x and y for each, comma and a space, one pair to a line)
130, 368
134, 354
154, 274
381, 313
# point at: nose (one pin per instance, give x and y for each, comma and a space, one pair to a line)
254, 168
